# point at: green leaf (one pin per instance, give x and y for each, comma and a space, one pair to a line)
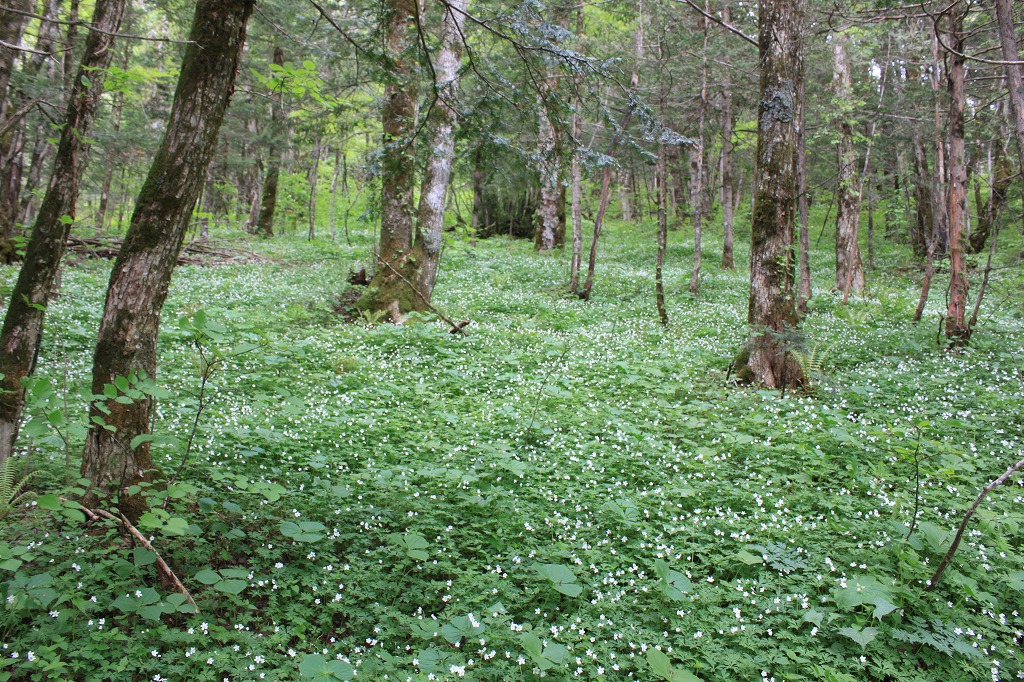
413, 544
231, 586
208, 576
748, 558
304, 531
121, 383
143, 556
318, 667
862, 637
675, 583
140, 439
663, 668
562, 577
50, 502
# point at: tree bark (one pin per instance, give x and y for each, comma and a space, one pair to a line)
15, 141
698, 164
988, 213
577, 175
268, 197
659, 286
957, 331
804, 292
23, 325
437, 174
728, 260
398, 161
1014, 80
849, 269
606, 175
12, 24
313, 173
126, 347
767, 358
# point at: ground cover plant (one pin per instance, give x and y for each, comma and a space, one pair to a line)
570, 491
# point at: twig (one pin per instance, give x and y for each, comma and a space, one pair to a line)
164, 568
731, 29
963, 525
456, 327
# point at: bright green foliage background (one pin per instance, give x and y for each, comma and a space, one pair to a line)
373, 503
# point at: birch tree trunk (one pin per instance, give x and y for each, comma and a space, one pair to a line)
126, 347
767, 359
437, 175
23, 325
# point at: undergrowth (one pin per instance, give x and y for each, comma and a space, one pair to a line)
570, 491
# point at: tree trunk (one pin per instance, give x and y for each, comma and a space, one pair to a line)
767, 358
577, 175
728, 261
12, 24
849, 270
698, 164
606, 175
313, 173
1014, 80
923, 226
1001, 176
550, 180
398, 162
957, 331
662, 179
126, 347
268, 201
437, 174
23, 325
109, 158
804, 292
13, 143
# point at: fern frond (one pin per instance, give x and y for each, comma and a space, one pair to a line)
12, 488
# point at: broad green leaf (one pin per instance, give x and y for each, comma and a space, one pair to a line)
749, 558
862, 637
675, 583
304, 531
208, 576
49, 502
320, 668
562, 577
663, 668
231, 586
413, 544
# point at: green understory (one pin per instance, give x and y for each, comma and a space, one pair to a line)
570, 491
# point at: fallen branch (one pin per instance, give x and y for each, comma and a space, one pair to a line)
963, 524
456, 327
165, 570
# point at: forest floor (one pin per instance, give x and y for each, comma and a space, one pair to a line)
572, 490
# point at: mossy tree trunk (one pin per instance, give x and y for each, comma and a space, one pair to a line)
398, 162
23, 325
142, 272
767, 359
